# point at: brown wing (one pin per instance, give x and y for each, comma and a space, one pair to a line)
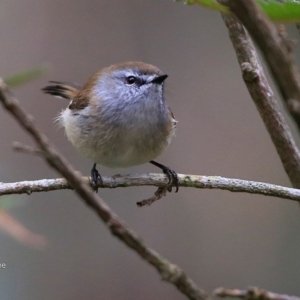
79, 102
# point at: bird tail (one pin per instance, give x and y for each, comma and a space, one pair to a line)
62, 89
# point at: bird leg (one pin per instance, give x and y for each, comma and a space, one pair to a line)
171, 175
96, 178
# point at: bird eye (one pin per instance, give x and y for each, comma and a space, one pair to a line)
130, 80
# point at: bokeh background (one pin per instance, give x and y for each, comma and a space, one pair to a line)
219, 238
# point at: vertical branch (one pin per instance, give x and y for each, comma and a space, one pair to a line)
263, 97
276, 49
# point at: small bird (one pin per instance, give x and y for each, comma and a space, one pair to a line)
119, 118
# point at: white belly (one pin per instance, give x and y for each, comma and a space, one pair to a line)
113, 147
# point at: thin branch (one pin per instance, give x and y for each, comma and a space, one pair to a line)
158, 180
263, 98
277, 51
20, 147
168, 271
252, 294
160, 192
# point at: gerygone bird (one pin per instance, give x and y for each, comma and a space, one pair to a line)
119, 118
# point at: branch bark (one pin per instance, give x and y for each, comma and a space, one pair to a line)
276, 49
263, 97
168, 271
158, 180
252, 294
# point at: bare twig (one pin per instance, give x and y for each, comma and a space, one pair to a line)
160, 192
275, 48
168, 271
252, 294
19, 147
262, 95
159, 180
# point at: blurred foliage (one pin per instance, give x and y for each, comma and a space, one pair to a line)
23, 77
287, 11
7, 202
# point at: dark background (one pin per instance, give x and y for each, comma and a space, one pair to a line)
219, 238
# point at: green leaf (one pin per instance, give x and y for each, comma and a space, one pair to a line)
25, 76
287, 11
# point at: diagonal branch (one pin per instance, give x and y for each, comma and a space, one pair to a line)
158, 180
263, 98
168, 271
276, 49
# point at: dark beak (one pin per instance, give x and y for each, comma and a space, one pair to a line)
160, 79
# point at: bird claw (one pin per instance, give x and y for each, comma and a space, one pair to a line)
172, 176
96, 179
173, 179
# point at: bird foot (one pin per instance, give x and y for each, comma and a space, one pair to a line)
96, 179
